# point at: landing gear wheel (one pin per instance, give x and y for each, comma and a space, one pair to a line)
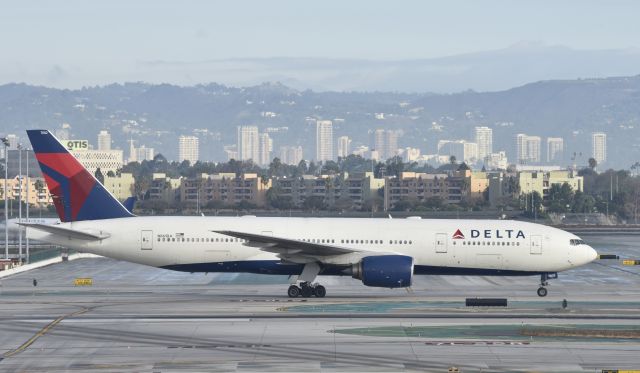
306, 291
542, 292
293, 291
320, 291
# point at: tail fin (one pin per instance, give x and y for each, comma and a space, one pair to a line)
129, 203
76, 193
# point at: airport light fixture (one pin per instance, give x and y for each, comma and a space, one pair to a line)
5, 141
19, 203
28, 187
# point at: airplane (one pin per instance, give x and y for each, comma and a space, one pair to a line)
383, 253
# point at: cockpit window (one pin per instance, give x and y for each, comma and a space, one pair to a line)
575, 242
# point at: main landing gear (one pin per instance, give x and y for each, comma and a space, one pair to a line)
542, 291
307, 290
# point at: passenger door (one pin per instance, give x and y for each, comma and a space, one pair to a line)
146, 240
441, 243
536, 245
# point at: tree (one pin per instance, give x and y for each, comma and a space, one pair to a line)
593, 163
98, 174
453, 160
313, 203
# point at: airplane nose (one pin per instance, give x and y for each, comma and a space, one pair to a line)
590, 254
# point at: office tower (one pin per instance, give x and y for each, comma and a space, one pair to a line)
386, 143
555, 149
248, 143
104, 140
344, 146
528, 148
464, 151
266, 147
324, 140
599, 146
144, 154
470, 154
291, 154
391, 144
379, 141
188, 149
484, 139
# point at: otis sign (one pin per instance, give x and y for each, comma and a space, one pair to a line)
490, 233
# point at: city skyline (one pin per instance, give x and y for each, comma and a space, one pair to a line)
254, 144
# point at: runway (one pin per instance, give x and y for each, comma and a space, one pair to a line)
142, 319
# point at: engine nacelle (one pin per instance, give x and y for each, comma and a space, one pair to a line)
385, 271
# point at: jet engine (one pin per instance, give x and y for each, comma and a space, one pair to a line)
385, 271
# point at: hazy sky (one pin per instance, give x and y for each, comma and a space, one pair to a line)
75, 42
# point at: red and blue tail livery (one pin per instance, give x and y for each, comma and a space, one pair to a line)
77, 195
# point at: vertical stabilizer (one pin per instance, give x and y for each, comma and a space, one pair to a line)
76, 193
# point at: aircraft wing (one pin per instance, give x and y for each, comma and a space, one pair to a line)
289, 247
67, 232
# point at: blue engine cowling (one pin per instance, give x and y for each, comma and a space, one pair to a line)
385, 271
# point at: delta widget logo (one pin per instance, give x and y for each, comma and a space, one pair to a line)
458, 235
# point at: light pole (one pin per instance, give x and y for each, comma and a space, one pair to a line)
19, 203
28, 187
5, 141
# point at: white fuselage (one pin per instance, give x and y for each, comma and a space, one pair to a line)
500, 245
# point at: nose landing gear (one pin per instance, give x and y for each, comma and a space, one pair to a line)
542, 291
307, 290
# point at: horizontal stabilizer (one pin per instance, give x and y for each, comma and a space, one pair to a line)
66, 232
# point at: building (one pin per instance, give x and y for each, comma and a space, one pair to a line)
188, 149
541, 181
344, 146
324, 140
497, 161
527, 148
144, 154
463, 150
225, 189
410, 154
386, 143
379, 142
470, 155
291, 154
599, 146
484, 139
391, 144
104, 140
555, 149
164, 188
121, 186
140, 154
38, 194
346, 192
248, 143
418, 187
106, 160
266, 147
